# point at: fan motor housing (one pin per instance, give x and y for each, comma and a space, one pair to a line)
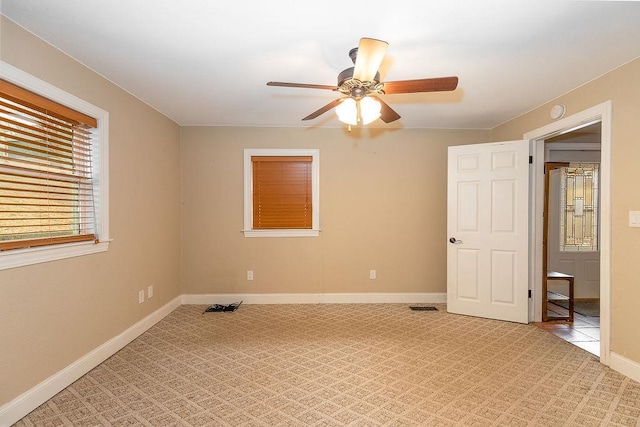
348, 75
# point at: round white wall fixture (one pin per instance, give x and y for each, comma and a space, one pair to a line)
557, 111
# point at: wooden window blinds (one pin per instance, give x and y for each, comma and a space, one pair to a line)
282, 192
46, 188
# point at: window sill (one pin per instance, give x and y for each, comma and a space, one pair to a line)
29, 256
281, 233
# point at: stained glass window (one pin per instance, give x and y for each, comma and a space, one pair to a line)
579, 208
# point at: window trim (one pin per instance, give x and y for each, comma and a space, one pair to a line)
28, 256
248, 230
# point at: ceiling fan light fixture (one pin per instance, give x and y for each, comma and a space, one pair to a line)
353, 111
363, 90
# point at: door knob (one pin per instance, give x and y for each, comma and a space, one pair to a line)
454, 240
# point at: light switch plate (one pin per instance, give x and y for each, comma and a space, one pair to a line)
634, 218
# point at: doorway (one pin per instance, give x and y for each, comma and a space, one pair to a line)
571, 237
599, 114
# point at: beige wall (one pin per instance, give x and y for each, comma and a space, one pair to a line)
622, 86
382, 207
52, 314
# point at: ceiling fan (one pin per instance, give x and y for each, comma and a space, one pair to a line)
362, 87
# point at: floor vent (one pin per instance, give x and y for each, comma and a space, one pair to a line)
424, 308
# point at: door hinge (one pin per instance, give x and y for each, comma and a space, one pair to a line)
530, 160
529, 293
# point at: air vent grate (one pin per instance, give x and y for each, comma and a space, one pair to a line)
423, 308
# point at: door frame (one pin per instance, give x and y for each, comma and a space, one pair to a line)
548, 167
598, 113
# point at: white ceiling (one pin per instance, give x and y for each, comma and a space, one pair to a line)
206, 62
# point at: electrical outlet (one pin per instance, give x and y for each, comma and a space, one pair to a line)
372, 274
249, 274
149, 291
140, 297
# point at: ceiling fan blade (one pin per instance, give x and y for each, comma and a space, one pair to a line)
387, 114
421, 85
370, 55
324, 109
303, 85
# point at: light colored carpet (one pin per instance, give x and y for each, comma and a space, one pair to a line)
337, 365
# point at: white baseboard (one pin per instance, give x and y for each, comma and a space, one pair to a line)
625, 366
361, 298
31, 399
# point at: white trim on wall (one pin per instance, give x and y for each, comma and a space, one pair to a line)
337, 298
625, 366
599, 113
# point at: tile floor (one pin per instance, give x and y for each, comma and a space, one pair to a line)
584, 332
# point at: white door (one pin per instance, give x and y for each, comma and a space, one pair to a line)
487, 226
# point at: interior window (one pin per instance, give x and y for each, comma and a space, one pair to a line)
281, 193
579, 208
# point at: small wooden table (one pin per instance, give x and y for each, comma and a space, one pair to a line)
554, 275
